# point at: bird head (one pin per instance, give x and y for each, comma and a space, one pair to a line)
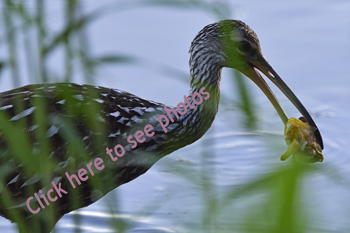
235, 45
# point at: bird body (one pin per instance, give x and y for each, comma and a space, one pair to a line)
49, 130
119, 115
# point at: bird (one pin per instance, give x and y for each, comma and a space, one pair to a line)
48, 132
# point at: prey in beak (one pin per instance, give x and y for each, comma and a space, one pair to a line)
262, 65
243, 52
301, 135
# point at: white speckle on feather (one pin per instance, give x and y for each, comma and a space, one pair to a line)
32, 180
136, 119
124, 108
23, 114
115, 114
150, 110
6, 107
33, 127
138, 110
61, 102
113, 135
22, 92
79, 97
100, 119
13, 180
99, 101
52, 131
122, 119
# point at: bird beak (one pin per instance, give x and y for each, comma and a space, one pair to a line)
262, 65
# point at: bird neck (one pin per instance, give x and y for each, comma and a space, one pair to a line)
199, 117
205, 63
203, 115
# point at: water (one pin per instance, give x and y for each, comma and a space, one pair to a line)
307, 43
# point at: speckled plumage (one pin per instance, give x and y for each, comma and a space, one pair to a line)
78, 122
119, 114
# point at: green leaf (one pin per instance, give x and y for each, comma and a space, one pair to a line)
66, 33
2, 66
114, 59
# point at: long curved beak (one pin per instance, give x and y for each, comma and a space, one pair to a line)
262, 65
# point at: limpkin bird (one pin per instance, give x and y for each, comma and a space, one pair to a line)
51, 130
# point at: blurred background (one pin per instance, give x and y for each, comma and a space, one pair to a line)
231, 180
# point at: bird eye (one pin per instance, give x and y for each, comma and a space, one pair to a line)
244, 46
